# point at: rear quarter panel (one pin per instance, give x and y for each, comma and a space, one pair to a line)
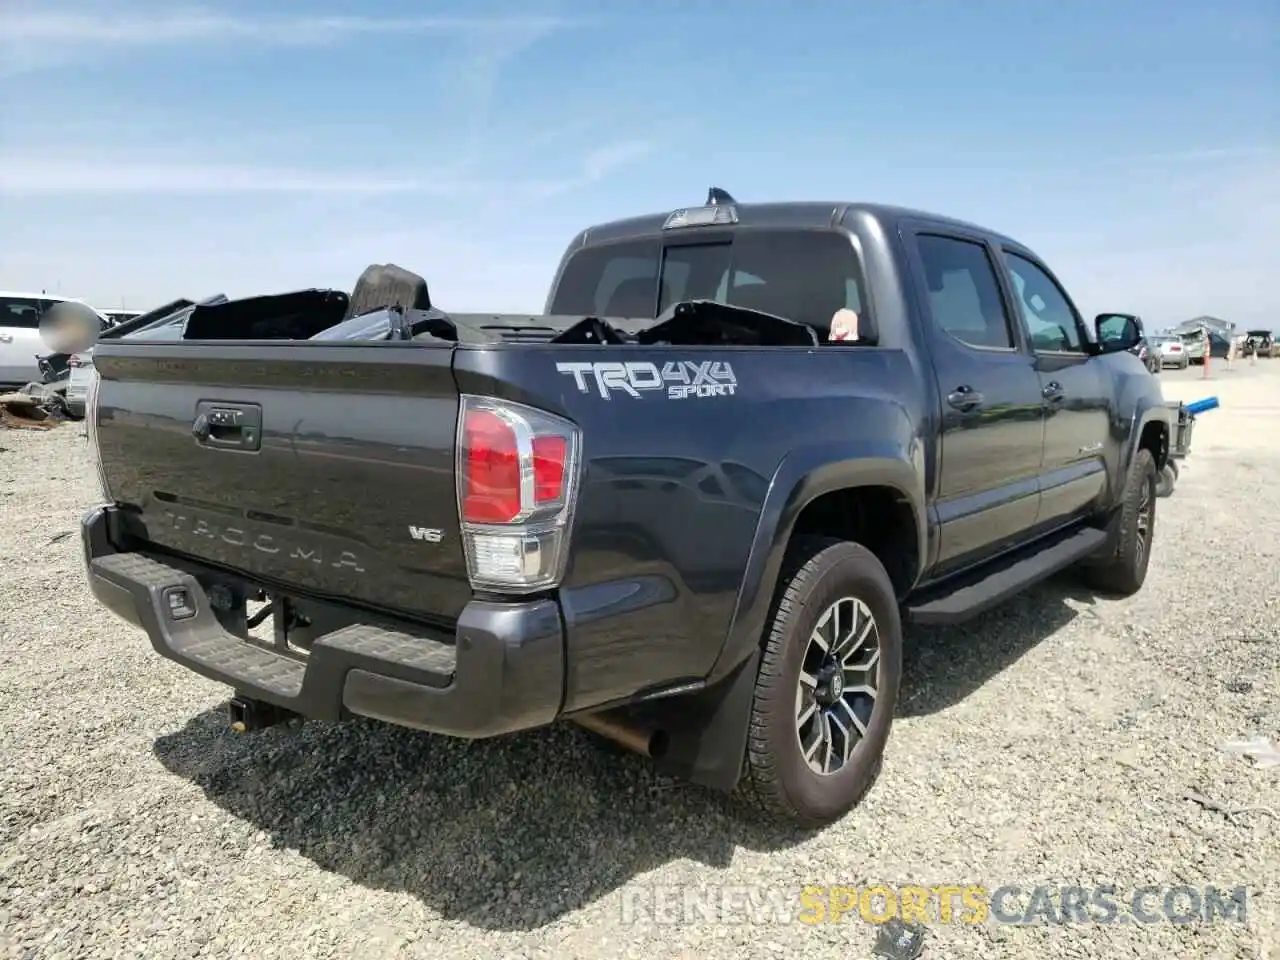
674, 490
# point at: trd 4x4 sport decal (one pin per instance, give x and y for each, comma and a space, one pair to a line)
679, 379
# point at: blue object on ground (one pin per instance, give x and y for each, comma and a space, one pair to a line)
1202, 406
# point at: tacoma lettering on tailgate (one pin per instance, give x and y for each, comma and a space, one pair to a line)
264, 542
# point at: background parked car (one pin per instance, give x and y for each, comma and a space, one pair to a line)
1172, 352
1147, 352
55, 367
1259, 342
159, 323
20, 342
1194, 345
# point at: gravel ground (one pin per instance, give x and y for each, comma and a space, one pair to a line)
1048, 743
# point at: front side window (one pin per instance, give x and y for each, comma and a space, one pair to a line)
1045, 310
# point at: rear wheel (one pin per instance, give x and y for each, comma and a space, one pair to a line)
827, 686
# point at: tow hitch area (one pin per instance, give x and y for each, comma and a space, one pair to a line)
247, 715
1184, 423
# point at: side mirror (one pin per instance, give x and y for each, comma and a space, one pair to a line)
1117, 332
70, 327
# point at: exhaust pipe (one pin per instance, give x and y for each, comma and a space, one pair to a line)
647, 743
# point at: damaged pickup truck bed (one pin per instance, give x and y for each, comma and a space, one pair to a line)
690, 507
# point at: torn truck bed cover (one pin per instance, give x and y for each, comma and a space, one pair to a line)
686, 323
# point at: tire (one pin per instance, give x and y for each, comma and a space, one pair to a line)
386, 285
823, 575
1125, 571
1167, 480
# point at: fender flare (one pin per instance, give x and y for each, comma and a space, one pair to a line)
1146, 411
804, 475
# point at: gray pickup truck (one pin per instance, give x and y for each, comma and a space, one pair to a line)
691, 506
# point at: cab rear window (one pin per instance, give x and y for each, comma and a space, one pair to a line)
802, 275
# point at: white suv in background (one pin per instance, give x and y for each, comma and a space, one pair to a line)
166, 322
20, 341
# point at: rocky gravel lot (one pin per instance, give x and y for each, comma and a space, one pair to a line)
1051, 742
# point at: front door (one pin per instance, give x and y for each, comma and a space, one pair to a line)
1074, 390
986, 491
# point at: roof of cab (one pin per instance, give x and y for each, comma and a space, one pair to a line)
27, 295
34, 296
800, 214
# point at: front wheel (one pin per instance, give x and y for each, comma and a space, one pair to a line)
827, 687
1125, 570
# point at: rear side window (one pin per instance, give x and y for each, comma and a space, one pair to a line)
802, 275
22, 312
964, 294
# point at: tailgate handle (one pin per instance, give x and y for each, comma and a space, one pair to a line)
228, 426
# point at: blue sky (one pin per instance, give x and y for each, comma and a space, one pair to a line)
154, 150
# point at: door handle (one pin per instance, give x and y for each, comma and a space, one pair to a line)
6, 338
230, 426
1052, 391
964, 398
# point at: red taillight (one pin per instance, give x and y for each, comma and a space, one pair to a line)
548, 469
491, 477
517, 481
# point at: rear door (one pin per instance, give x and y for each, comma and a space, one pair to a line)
991, 417
20, 341
1075, 391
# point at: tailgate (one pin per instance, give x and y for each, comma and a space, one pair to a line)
326, 469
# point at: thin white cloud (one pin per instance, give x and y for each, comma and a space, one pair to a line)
1211, 154
33, 38
598, 164
21, 176
602, 161
19, 27
102, 174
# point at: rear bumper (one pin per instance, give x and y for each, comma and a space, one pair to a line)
501, 671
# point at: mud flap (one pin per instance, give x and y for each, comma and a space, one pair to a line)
707, 731
1106, 553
